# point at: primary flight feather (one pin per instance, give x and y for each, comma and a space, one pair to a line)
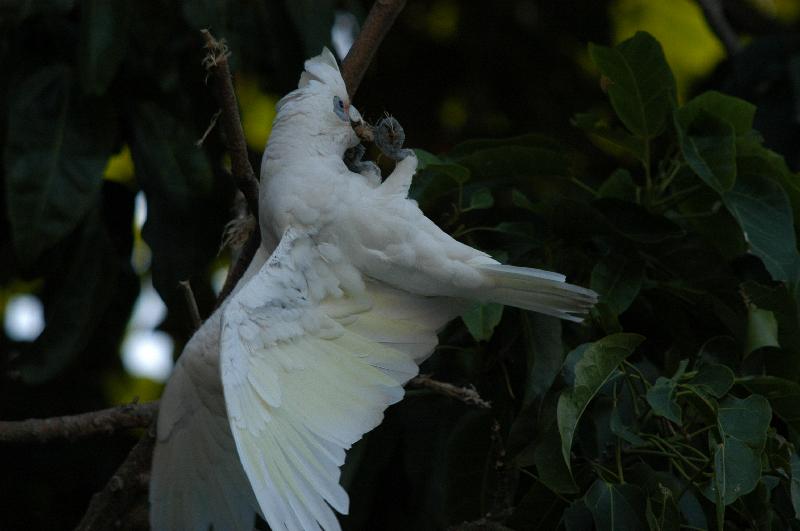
334, 315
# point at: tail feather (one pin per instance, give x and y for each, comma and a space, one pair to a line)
540, 291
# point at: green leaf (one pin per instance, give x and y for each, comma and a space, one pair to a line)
783, 396
619, 139
762, 210
520, 162
480, 199
550, 465
737, 470
737, 112
618, 279
619, 185
642, 87
745, 419
57, 147
103, 42
615, 507
713, 379
313, 20
594, 368
636, 223
662, 398
545, 353
742, 425
762, 329
76, 301
795, 485
481, 319
183, 215
709, 146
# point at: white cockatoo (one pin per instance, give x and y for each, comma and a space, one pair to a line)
323, 331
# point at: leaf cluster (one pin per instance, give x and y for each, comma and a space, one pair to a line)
675, 404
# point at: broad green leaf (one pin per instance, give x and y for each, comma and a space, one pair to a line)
662, 398
692, 511
103, 42
745, 419
480, 199
313, 20
539, 508
709, 146
550, 465
76, 301
615, 507
762, 329
516, 162
795, 485
183, 215
545, 353
713, 379
594, 368
619, 185
783, 396
618, 279
737, 470
57, 147
778, 300
742, 425
737, 112
482, 318
636, 223
762, 209
616, 137
641, 85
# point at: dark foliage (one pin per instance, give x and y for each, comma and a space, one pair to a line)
676, 404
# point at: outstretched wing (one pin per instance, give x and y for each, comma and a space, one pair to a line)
197, 480
309, 364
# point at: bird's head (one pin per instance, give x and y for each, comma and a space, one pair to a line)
319, 111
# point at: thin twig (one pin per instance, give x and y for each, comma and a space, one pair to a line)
74, 427
468, 395
191, 303
715, 16
380, 19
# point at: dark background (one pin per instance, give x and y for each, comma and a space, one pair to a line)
448, 70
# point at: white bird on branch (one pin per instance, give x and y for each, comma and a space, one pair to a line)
322, 333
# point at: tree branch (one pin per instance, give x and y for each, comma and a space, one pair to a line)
467, 395
216, 62
110, 507
376, 26
715, 16
74, 427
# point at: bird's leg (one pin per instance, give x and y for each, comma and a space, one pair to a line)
389, 137
353, 161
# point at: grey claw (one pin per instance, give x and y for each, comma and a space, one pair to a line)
389, 137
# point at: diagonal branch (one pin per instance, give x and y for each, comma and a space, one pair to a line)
468, 395
73, 427
714, 13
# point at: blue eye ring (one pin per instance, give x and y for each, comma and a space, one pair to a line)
338, 109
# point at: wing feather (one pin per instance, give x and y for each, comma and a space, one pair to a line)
302, 384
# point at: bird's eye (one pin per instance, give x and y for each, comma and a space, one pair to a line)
338, 108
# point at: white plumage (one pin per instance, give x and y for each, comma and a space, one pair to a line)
322, 332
